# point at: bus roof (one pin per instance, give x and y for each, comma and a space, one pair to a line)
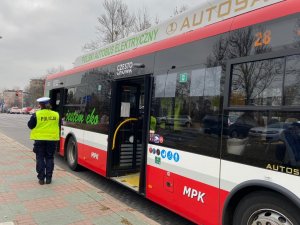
187, 30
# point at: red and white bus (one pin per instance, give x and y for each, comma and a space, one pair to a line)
200, 114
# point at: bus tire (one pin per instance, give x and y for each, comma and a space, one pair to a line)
72, 154
265, 208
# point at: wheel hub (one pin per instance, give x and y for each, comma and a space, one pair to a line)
268, 217
71, 153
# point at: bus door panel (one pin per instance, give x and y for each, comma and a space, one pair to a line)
126, 139
128, 130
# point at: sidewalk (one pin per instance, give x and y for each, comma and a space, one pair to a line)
67, 200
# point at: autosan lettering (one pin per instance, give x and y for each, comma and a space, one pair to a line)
283, 169
193, 193
212, 13
75, 117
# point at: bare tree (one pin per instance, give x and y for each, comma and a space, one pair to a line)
116, 22
92, 45
249, 79
28, 98
57, 69
156, 20
126, 21
143, 20
179, 10
34, 90
108, 28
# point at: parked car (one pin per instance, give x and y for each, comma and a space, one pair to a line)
15, 110
160, 119
182, 120
240, 128
33, 110
212, 123
270, 133
26, 110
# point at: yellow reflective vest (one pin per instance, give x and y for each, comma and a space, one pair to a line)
47, 126
152, 123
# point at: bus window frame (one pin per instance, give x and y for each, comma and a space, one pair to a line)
253, 58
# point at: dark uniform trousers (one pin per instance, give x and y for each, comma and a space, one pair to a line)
44, 158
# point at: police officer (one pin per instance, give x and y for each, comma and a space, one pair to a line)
44, 125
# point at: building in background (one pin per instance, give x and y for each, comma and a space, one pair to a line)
22, 98
12, 98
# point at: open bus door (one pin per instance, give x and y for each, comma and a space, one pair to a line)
57, 99
129, 132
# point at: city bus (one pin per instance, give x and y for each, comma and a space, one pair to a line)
199, 114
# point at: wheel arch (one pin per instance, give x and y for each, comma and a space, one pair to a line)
248, 187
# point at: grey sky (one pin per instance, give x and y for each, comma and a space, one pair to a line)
42, 34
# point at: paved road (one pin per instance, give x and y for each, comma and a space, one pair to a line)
15, 127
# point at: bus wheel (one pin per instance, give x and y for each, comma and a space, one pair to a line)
265, 208
72, 154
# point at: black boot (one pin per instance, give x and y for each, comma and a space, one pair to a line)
48, 180
41, 182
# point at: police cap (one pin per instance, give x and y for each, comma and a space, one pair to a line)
43, 100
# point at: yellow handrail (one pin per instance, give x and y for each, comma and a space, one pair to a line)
116, 131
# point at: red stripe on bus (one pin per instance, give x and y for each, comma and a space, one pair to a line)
89, 157
277, 10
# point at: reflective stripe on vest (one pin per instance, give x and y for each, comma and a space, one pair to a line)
47, 126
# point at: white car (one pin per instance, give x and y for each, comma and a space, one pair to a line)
15, 110
270, 133
182, 120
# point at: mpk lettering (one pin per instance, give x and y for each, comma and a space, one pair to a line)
193, 193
